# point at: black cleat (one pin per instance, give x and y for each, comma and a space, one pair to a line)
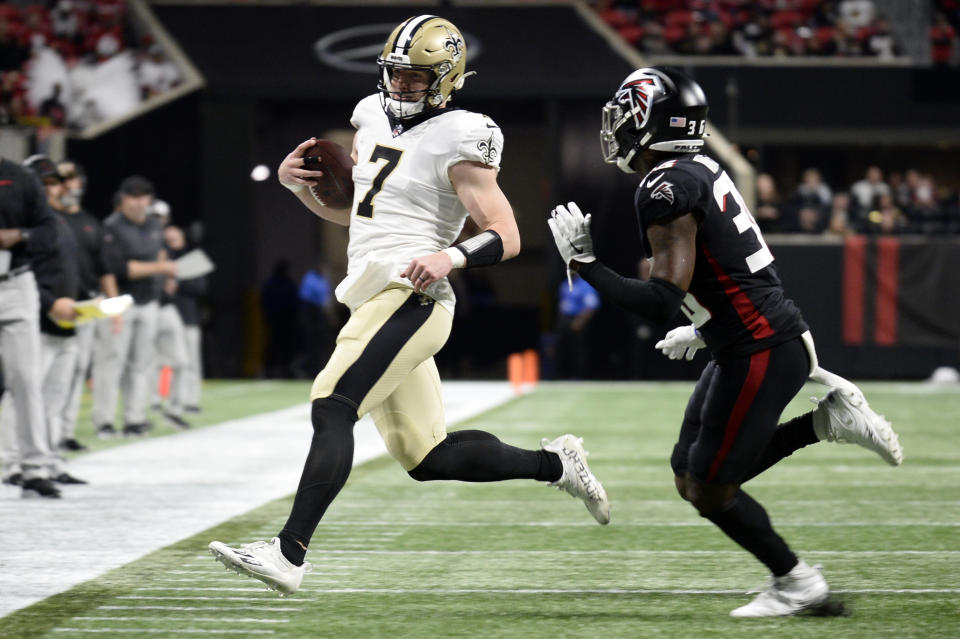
40, 487
16, 479
72, 444
136, 430
106, 431
193, 410
67, 478
176, 421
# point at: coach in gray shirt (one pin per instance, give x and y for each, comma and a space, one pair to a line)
27, 228
133, 251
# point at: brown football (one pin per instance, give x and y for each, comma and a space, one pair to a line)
335, 188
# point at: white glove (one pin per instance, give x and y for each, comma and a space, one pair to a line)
682, 342
571, 233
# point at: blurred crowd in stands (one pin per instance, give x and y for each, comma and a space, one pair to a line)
944, 48
73, 63
879, 203
762, 28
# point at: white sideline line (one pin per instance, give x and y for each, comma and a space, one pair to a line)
192, 580
196, 619
264, 599
198, 608
165, 489
133, 632
248, 589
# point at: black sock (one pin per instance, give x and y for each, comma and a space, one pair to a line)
478, 456
790, 437
746, 522
291, 549
324, 474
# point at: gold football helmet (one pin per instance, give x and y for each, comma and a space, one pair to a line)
424, 43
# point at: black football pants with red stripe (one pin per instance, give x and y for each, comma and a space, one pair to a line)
730, 433
734, 411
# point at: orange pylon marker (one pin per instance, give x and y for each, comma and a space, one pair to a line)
163, 384
531, 369
515, 371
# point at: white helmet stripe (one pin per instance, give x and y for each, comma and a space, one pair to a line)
405, 37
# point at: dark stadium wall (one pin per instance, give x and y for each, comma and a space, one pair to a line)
832, 97
227, 143
161, 145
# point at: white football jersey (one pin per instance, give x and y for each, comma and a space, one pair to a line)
404, 205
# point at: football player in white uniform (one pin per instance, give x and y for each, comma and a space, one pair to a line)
421, 167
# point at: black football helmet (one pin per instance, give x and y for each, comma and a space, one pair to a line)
655, 108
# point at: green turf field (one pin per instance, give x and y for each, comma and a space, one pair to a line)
395, 558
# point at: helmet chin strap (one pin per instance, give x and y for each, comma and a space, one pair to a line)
402, 109
459, 83
623, 163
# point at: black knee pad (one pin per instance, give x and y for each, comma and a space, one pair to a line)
429, 468
330, 412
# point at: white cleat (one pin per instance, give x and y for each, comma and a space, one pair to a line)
262, 560
844, 416
577, 478
801, 588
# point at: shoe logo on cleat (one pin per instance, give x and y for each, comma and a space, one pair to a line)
248, 559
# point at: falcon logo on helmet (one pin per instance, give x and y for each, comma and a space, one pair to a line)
422, 43
635, 96
644, 114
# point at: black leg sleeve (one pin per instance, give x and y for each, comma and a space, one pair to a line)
477, 456
324, 473
789, 438
746, 522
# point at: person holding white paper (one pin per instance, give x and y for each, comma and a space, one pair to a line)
95, 279
26, 226
55, 270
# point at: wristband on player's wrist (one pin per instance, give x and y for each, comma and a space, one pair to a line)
484, 249
294, 188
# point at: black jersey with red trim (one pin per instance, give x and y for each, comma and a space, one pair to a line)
735, 299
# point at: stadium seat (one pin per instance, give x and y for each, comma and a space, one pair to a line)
9, 12
674, 34
678, 19
825, 34
786, 19
632, 33
616, 18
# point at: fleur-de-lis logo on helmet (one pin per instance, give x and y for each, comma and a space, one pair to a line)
454, 44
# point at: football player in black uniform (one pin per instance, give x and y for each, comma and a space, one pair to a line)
710, 261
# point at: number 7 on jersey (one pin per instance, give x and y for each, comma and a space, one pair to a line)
392, 157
